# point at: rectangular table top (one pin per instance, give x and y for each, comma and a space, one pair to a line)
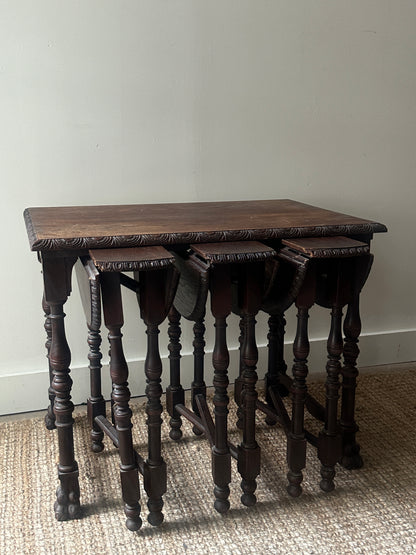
85, 227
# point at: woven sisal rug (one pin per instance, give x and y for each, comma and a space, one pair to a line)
372, 510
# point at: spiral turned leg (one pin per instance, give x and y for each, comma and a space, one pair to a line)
174, 393
329, 441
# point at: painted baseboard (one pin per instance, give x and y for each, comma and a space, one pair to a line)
26, 392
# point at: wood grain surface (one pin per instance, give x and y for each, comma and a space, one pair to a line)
83, 227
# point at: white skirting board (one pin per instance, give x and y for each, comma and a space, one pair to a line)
25, 392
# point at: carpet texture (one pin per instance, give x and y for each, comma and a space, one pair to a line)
372, 510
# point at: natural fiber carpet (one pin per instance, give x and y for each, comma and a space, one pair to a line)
372, 510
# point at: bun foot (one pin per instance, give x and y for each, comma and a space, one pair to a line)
134, 525
327, 482
294, 488
248, 498
155, 516
133, 521
175, 431
221, 503
155, 519
175, 434
97, 446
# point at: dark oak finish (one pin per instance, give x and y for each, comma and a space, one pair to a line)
198, 386
85, 227
336, 270
57, 287
352, 327
113, 318
62, 234
296, 444
320, 247
175, 394
248, 300
132, 259
155, 296
88, 279
49, 417
218, 267
284, 278
220, 288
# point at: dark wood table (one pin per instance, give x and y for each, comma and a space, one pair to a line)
60, 235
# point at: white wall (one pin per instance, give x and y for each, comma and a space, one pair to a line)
106, 102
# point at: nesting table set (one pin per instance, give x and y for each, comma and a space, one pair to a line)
250, 256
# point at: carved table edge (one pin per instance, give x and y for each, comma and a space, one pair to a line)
82, 243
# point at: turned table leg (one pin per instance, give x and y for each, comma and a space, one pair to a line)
67, 504
234, 273
155, 468
329, 441
221, 457
238, 383
276, 365
351, 457
49, 417
95, 402
56, 275
122, 417
113, 317
249, 450
88, 279
198, 386
154, 307
296, 442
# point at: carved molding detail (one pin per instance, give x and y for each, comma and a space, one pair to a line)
95, 304
83, 243
134, 265
239, 258
29, 227
339, 253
